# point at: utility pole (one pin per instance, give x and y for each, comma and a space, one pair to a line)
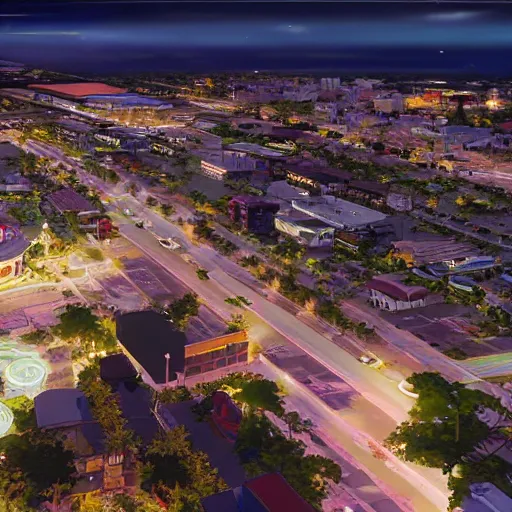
167, 363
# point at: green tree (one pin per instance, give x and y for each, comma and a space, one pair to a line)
151, 202
308, 475
174, 395
443, 428
202, 274
181, 310
237, 323
78, 324
180, 475
167, 209
23, 476
22, 409
490, 469
106, 409
198, 198
296, 424
260, 394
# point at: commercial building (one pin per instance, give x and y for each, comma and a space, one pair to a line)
67, 200
13, 245
232, 165
125, 101
75, 91
443, 256
388, 292
256, 215
394, 103
313, 178
163, 355
338, 213
329, 84
308, 231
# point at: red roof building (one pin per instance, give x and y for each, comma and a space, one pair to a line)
78, 90
390, 293
276, 494
265, 493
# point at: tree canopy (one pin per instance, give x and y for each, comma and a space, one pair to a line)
80, 325
34, 462
444, 431
182, 309
260, 394
180, 476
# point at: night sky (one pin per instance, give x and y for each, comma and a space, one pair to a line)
130, 36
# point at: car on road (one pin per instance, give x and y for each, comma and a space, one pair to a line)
169, 243
370, 361
139, 224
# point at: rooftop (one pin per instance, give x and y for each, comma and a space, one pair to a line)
255, 201
12, 242
338, 213
148, 336
435, 251
67, 200
78, 90
255, 149
276, 494
61, 407
391, 285
265, 493
116, 367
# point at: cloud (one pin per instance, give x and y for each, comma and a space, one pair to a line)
293, 29
454, 16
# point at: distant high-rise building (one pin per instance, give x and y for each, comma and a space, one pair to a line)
329, 84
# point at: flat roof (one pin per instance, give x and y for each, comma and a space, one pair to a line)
78, 90
256, 149
338, 213
435, 251
148, 336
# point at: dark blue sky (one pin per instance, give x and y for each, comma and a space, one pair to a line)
101, 36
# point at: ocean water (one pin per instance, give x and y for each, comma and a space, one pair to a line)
131, 58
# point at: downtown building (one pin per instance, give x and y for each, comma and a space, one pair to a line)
165, 356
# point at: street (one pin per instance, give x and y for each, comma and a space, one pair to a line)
228, 279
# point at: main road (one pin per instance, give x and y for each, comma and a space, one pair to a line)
228, 279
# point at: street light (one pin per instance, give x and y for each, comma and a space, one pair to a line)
167, 359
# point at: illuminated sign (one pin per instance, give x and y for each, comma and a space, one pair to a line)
6, 271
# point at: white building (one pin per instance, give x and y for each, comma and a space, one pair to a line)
338, 213
389, 293
329, 84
